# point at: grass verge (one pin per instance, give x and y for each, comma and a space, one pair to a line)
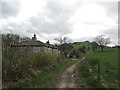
43, 79
108, 69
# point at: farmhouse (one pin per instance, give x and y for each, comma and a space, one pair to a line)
35, 46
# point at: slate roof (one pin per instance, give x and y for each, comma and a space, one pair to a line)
33, 43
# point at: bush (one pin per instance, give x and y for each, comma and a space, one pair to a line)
23, 67
90, 77
83, 68
90, 70
44, 59
94, 82
16, 67
92, 59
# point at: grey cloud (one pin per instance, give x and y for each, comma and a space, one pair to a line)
15, 28
8, 9
112, 9
57, 10
119, 23
53, 20
113, 34
90, 38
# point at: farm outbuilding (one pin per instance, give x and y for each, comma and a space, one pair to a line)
35, 46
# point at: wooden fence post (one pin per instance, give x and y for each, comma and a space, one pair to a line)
99, 70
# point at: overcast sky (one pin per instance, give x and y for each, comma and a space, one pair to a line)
78, 19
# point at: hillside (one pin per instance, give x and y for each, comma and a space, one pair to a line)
78, 45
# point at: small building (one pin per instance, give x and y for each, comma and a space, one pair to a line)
35, 46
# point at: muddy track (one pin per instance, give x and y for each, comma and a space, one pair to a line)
69, 76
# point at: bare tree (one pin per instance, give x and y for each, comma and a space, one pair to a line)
24, 39
64, 43
63, 39
102, 41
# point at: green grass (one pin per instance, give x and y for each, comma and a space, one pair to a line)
108, 61
44, 79
80, 44
110, 55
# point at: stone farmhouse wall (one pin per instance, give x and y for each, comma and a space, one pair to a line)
31, 47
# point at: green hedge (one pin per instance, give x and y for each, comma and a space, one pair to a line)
23, 67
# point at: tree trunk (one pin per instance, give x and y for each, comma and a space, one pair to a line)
102, 48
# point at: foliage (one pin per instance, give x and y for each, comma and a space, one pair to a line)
91, 58
65, 47
23, 67
43, 79
78, 45
108, 68
94, 46
102, 41
16, 67
90, 77
63, 39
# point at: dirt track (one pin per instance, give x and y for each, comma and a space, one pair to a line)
68, 77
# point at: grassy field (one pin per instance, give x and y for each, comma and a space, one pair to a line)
80, 44
109, 60
44, 79
109, 69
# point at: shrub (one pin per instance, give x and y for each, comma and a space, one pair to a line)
92, 59
23, 67
83, 68
16, 67
44, 59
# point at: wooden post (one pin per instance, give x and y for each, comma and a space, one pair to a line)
99, 70
107, 64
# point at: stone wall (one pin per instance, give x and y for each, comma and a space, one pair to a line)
28, 48
51, 50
